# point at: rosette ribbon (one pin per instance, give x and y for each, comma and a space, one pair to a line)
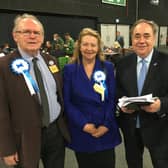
21, 66
100, 86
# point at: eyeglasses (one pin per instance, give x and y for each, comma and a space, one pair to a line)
29, 32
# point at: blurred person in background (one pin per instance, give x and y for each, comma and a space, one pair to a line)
69, 45
57, 40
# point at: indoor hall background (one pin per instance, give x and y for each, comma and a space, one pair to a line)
52, 24
108, 34
91, 10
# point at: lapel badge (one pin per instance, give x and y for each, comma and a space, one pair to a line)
155, 64
53, 68
51, 62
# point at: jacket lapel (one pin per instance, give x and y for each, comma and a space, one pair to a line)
16, 55
132, 76
152, 71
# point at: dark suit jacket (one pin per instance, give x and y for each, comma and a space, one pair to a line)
20, 114
154, 126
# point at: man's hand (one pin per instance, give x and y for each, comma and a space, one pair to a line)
126, 110
152, 108
11, 160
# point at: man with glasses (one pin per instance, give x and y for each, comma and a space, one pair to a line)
31, 115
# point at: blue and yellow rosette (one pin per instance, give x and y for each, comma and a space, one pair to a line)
21, 66
100, 85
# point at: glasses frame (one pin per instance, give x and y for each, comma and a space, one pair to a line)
28, 33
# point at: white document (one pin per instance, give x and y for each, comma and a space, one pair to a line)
139, 100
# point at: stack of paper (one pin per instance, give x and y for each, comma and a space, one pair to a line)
135, 102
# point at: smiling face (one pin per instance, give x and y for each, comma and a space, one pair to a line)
89, 47
29, 36
143, 39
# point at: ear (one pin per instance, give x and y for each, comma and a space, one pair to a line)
14, 36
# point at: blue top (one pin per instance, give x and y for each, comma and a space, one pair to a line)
83, 105
49, 84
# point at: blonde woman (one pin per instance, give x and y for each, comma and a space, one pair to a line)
89, 96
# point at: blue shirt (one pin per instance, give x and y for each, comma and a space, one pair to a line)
139, 65
49, 84
147, 59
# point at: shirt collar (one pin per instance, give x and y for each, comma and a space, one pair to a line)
27, 56
147, 59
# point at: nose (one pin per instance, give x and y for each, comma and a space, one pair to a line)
89, 47
32, 34
142, 39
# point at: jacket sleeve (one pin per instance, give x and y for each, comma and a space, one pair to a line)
7, 140
74, 115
